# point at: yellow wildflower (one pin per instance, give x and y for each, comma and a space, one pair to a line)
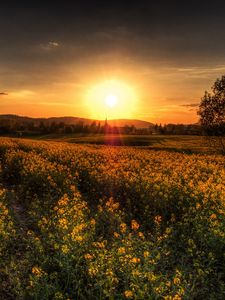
140, 234
37, 271
146, 253
176, 280
92, 271
198, 205
135, 260
167, 298
134, 225
158, 219
116, 235
65, 249
58, 296
121, 250
93, 222
177, 297
88, 256
128, 294
78, 238
213, 217
123, 227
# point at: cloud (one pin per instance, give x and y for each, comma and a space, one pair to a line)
201, 72
49, 45
53, 44
23, 93
3, 94
193, 109
190, 105
56, 104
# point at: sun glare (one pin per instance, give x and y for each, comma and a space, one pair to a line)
112, 99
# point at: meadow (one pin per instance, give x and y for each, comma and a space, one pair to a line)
87, 221
175, 143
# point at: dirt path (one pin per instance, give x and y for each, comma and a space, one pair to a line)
20, 215
18, 211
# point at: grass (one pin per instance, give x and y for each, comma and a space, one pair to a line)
177, 143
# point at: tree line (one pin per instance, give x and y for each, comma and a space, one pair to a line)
24, 128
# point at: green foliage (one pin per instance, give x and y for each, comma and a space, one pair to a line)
212, 113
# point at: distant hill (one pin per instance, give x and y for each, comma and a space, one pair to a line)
130, 122
76, 120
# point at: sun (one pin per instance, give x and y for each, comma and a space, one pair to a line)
111, 100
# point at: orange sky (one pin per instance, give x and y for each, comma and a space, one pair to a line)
163, 55
162, 94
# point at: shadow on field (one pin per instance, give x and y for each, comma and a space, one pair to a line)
118, 140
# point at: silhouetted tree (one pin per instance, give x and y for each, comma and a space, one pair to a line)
212, 114
68, 129
43, 128
93, 127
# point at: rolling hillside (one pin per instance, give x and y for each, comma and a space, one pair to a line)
75, 120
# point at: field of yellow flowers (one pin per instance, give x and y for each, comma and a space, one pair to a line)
102, 222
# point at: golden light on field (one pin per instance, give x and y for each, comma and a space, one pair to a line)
112, 99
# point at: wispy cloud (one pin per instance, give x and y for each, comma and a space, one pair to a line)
56, 104
51, 45
190, 105
3, 94
22, 93
201, 72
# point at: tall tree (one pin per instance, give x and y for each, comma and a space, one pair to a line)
212, 114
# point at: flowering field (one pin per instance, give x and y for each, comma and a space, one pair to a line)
102, 222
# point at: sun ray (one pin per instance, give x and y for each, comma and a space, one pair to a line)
111, 98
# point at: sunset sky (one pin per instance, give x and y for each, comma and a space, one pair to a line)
62, 58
